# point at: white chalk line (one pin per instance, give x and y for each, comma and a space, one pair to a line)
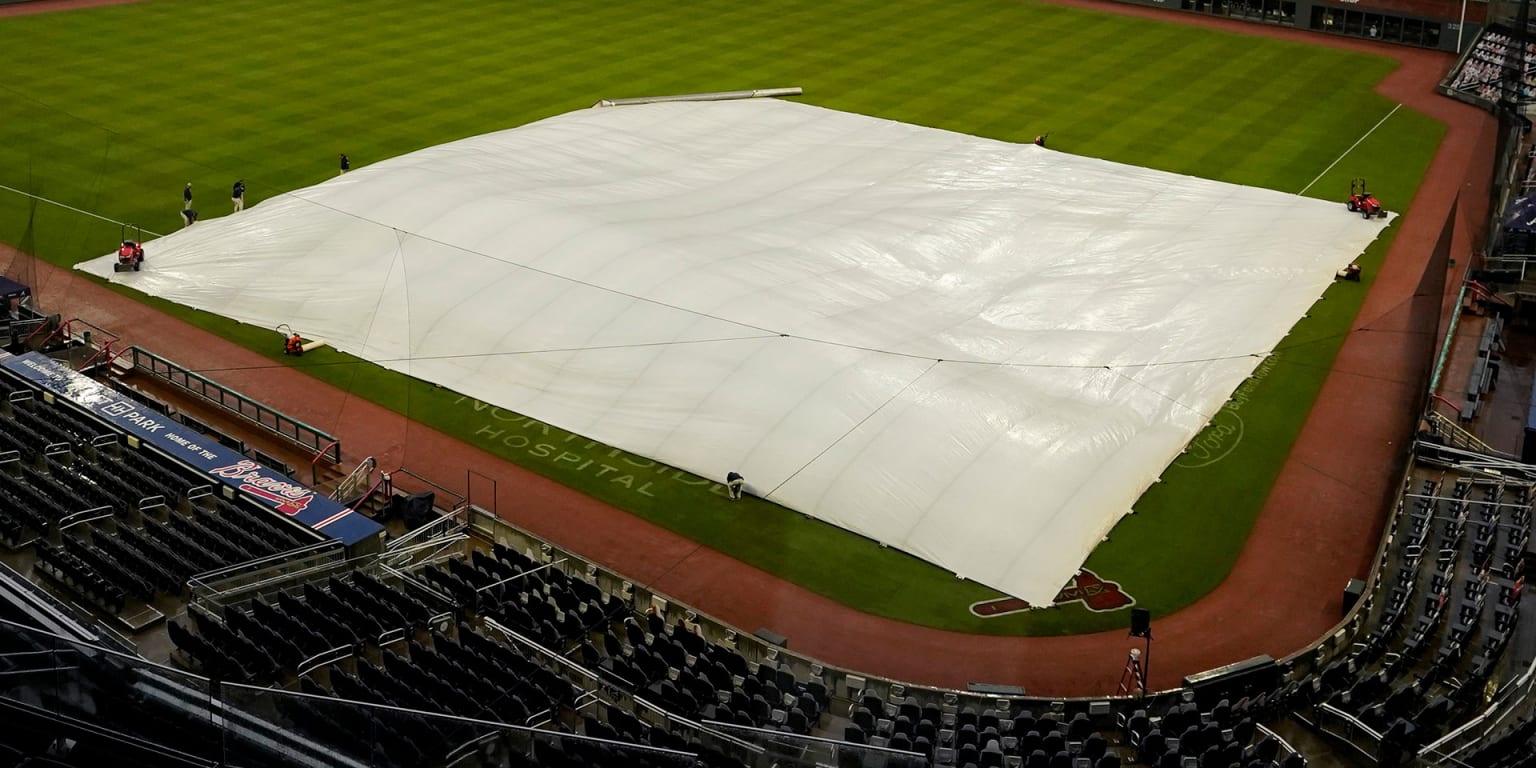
40, 198
1340, 158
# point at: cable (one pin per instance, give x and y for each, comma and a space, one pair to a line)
471, 355
536, 270
854, 428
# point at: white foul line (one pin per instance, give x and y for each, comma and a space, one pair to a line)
1351, 149
69, 207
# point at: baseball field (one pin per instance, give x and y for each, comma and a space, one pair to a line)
109, 112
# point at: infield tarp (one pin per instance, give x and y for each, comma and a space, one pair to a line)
978, 352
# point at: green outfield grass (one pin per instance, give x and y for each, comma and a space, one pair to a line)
112, 110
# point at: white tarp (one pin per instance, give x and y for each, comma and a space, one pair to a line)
978, 352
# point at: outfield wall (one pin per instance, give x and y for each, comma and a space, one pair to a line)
1420, 27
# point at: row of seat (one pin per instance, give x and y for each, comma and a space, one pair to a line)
1467, 609
542, 603
66, 567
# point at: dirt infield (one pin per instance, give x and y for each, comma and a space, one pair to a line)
1318, 529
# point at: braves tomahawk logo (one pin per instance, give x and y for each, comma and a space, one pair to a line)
289, 498
1096, 594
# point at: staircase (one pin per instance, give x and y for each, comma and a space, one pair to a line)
361, 486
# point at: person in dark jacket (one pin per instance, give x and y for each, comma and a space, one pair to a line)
237, 195
346, 164
188, 217
186, 197
733, 483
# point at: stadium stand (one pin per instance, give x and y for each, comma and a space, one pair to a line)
111, 523
1491, 64
469, 642
489, 628
472, 641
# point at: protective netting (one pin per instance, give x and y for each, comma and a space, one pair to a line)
978, 352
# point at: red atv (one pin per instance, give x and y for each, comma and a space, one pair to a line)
130, 255
1363, 202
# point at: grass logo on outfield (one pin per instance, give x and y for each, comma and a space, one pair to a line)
1096, 594
1225, 432
575, 455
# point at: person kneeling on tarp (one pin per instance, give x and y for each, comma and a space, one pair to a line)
1351, 272
294, 346
733, 483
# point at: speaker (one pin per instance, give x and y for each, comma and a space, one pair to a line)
1352, 592
1141, 623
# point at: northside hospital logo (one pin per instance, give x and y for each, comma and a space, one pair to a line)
535, 439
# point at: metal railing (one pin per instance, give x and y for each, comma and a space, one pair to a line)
274, 421
1457, 437
792, 749
1479, 730
407, 481
841, 683
222, 723
358, 480
1348, 729
233, 585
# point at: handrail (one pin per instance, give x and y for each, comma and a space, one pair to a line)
105, 346
460, 501
725, 729
397, 546
281, 424
64, 326
1493, 708
206, 578
1285, 746
1341, 725
366, 496
318, 454
395, 554
182, 677
559, 660
520, 575
363, 470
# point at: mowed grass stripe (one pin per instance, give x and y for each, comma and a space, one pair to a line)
208, 92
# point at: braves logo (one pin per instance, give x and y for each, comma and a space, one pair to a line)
284, 505
1096, 594
289, 498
